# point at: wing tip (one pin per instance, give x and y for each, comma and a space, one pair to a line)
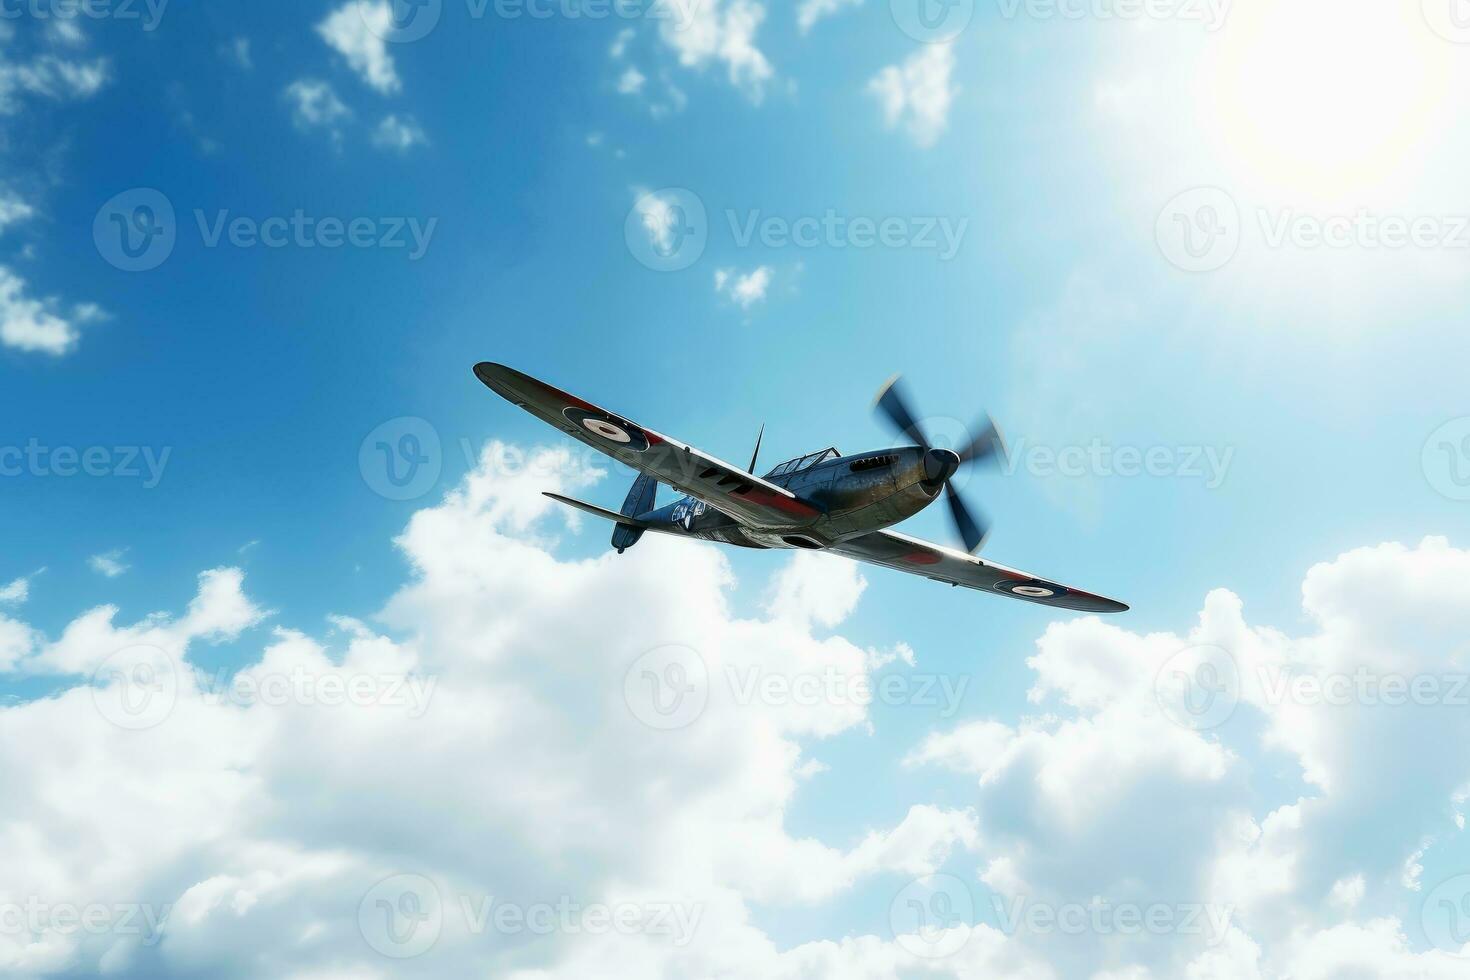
488, 371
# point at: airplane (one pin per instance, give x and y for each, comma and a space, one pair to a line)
823, 501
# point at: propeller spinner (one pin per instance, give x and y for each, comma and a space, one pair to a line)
940, 465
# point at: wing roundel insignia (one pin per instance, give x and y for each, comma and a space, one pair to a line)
609, 428
1032, 589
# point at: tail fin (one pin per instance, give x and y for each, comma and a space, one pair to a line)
640, 501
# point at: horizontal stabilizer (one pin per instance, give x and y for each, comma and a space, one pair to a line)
597, 511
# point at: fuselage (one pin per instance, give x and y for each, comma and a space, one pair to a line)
853, 495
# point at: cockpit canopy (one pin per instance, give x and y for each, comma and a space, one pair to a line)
804, 462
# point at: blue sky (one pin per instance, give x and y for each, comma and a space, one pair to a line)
1231, 236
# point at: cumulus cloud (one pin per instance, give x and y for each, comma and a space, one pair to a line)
526, 704
744, 289
516, 728
1134, 785
315, 105
18, 591
630, 82
660, 215
39, 325
50, 76
619, 47
917, 94
109, 563
721, 31
400, 133
808, 12
356, 31
237, 52
13, 210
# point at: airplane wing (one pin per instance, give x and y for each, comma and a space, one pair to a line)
906, 554
728, 488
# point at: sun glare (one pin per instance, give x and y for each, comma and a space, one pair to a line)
1329, 98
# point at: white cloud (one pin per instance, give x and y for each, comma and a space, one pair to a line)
658, 215
52, 77
315, 106
630, 82
18, 591
38, 325
347, 31
1106, 794
918, 94
721, 31
66, 32
619, 47
399, 133
745, 289
237, 51
109, 563
277, 819
815, 589
808, 12
270, 823
13, 210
